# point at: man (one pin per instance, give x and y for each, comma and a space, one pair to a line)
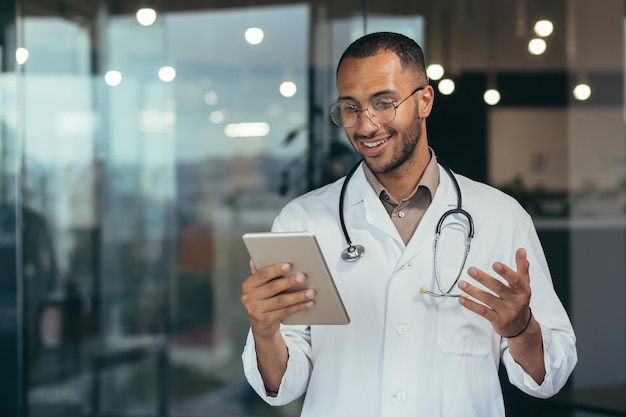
411, 349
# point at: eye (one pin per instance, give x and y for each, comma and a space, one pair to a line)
349, 108
381, 104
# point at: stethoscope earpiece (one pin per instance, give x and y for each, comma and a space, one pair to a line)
352, 253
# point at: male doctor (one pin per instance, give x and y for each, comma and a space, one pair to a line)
412, 348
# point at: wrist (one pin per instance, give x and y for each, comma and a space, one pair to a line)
530, 318
267, 337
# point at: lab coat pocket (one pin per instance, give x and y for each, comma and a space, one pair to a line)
460, 331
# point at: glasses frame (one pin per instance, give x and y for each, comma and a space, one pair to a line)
369, 114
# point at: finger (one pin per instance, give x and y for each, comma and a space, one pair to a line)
510, 276
252, 267
277, 286
523, 266
478, 308
276, 308
491, 283
296, 308
265, 275
274, 287
275, 316
484, 297
291, 302
265, 318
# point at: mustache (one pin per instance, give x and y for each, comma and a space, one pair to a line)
381, 135
375, 135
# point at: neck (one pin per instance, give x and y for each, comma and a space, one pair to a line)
401, 182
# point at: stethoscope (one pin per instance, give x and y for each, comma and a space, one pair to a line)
354, 252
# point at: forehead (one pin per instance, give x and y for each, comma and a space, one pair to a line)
365, 76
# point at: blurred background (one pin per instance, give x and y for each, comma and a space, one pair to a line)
140, 139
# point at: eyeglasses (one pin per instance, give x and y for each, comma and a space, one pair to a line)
379, 110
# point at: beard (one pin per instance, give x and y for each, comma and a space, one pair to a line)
410, 138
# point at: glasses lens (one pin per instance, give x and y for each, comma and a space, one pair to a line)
381, 111
343, 114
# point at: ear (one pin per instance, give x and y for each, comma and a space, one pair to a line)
426, 101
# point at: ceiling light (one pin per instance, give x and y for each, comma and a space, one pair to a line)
247, 130
167, 74
21, 55
288, 89
446, 86
211, 98
492, 96
217, 117
537, 46
113, 78
146, 16
543, 28
582, 92
435, 71
254, 36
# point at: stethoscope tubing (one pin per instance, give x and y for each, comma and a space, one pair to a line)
354, 252
341, 200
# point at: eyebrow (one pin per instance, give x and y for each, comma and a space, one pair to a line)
377, 94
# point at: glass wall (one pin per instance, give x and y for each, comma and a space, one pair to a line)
136, 149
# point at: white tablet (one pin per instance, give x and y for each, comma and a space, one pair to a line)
301, 250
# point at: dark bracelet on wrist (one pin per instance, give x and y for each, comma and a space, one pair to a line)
530, 317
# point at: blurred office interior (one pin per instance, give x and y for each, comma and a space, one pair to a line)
140, 139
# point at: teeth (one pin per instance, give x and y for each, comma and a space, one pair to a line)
374, 144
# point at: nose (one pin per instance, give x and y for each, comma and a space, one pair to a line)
365, 124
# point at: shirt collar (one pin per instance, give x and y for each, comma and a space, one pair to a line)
429, 179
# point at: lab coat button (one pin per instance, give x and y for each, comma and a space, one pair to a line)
401, 214
401, 330
400, 396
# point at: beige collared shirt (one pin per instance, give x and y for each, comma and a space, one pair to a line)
407, 213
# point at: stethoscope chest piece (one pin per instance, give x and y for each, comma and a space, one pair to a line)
352, 253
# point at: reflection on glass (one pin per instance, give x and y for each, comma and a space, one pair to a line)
254, 36
21, 55
138, 198
113, 78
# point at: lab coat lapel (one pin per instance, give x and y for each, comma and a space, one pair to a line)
444, 200
368, 210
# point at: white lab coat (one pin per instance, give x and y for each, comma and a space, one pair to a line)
405, 353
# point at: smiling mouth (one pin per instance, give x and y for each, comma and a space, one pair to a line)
374, 144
